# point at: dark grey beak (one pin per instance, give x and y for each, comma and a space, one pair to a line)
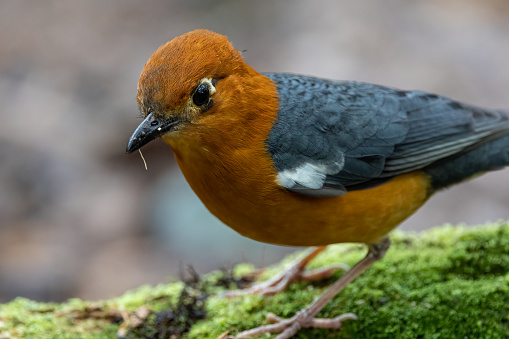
148, 130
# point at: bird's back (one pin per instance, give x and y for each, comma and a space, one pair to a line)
337, 136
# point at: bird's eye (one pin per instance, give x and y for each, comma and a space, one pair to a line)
201, 95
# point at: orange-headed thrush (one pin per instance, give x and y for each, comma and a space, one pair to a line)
297, 160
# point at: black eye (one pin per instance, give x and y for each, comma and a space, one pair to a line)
201, 96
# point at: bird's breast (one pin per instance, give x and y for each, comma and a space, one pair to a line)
245, 196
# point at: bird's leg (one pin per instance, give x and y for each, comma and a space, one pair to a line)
294, 272
306, 317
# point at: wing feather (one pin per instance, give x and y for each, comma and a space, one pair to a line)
335, 136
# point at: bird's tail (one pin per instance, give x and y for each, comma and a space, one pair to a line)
490, 155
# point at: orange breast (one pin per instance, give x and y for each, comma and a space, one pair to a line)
243, 194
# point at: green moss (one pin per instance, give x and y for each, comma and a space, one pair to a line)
23, 318
449, 282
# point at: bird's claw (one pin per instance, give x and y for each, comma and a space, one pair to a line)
295, 272
288, 327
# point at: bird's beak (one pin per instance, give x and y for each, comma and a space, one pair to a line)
148, 130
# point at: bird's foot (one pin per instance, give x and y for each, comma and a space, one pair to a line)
306, 317
294, 272
288, 327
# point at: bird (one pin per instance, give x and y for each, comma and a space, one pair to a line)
297, 160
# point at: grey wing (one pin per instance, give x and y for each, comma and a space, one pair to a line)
440, 128
332, 137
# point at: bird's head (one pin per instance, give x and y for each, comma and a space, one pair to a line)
184, 85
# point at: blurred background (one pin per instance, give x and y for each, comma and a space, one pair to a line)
80, 218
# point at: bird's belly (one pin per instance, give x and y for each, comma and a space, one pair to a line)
286, 218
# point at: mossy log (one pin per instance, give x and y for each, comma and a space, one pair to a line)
448, 282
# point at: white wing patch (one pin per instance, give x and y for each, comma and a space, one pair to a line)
308, 175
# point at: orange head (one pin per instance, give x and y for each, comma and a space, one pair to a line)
196, 88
